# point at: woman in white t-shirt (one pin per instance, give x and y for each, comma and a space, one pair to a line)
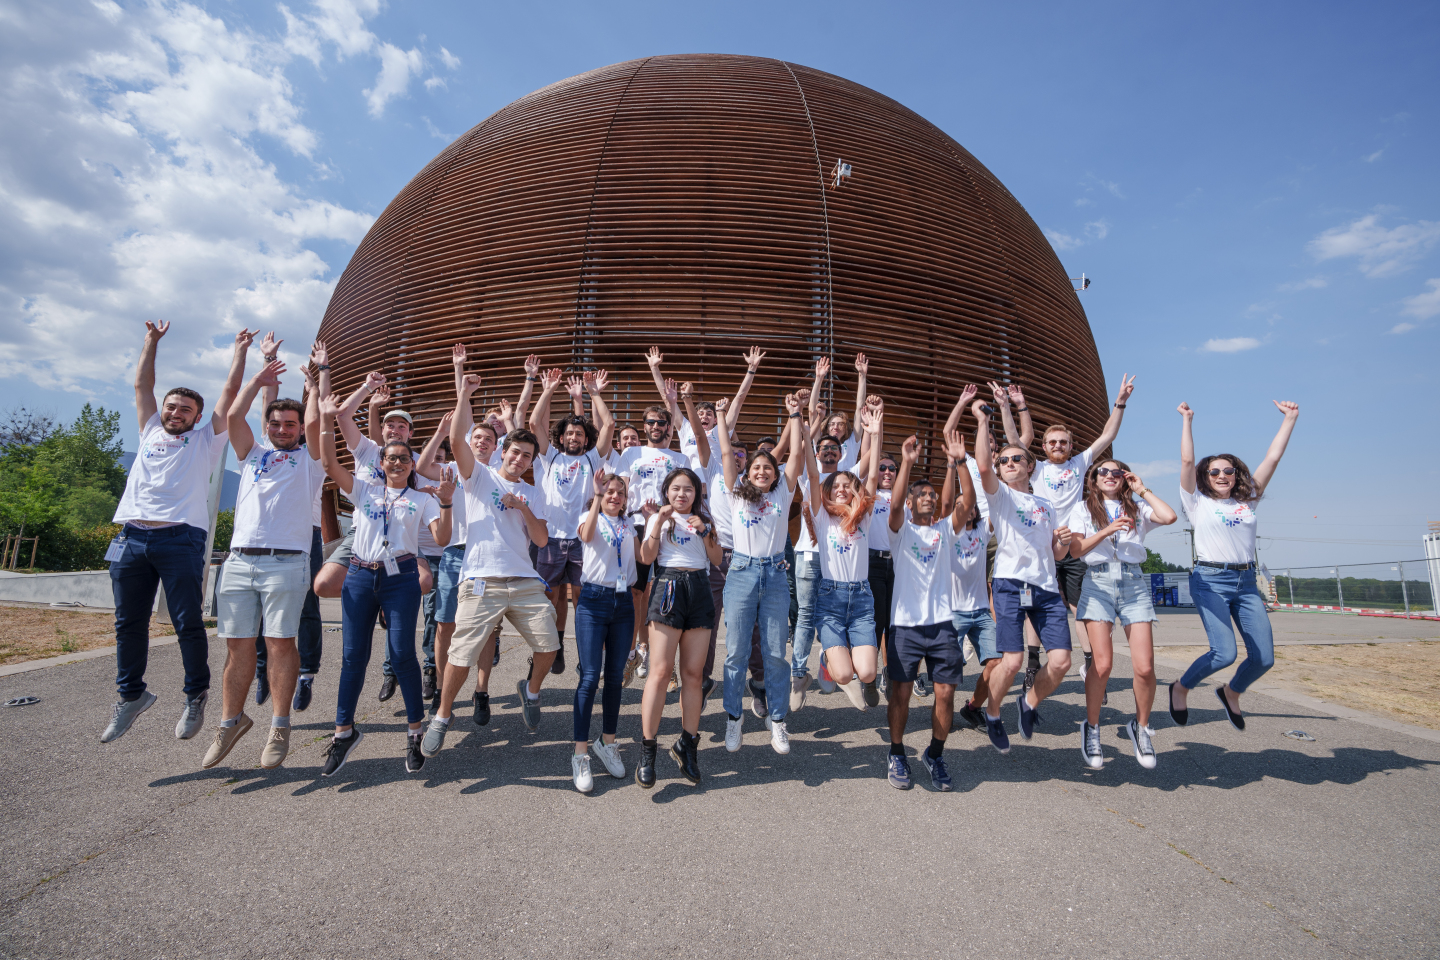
756, 588
1110, 527
680, 540
844, 605
604, 622
1219, 495
383, 574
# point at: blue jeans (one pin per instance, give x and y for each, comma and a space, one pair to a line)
756, 589
979, 627
604, 623
362, 597
447, 584
1221, 595
845, 614
312, 630
174, 556
427, 605
807, 586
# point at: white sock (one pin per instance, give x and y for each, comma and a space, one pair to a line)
283, 722
443, 721
232, 721
532, 697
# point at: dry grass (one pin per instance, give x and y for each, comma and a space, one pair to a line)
1396, 680
34, 633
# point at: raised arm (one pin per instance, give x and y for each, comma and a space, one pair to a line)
221, 416
1027, 426
1187, 448
145, 405
460, 424
330, 407
1002, 403
1266, 470
702, 442
727, 459
575, 386
955, 448
320, 387
791, 435
909, 454
862, 370
426, 465
731, 415
540, 416
817, 409
812, 470
952, 422
654, 358
592, 516
241, 437
1117, 414
378, 399
604, 419
984, 457
1161, 513
532, 375
345, 418
872, 422
269, 350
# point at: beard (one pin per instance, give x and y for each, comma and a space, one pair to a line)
175, 431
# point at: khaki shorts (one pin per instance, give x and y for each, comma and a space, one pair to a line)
521, 600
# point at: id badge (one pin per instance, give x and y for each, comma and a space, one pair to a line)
477, 587
620, 583
1027, 599
115, 551
1117, 569
391, 567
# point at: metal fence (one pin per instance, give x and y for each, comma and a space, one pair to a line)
1401, 586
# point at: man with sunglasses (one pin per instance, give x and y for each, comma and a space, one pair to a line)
1060, 479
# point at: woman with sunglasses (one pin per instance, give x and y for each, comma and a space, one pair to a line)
1110, 528
383, 574
1219, 495
680, 541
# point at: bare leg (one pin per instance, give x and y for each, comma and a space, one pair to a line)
330, 580
942, 714
1057, 664
694, 648
1000, 679
239, 671
1104, 661
283, 665
443, 633
451, 680
541, 671
837, 661
982, 686
1142, 660
663, 641
898, 711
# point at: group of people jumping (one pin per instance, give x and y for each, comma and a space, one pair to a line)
893, 571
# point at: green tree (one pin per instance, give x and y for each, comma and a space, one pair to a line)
1154, 563
87, 452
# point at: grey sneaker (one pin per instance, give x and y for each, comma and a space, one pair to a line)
125, 713
192, 719
225, 739
529, 709
609, 755
434, 737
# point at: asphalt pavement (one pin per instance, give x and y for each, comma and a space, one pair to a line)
1237, 845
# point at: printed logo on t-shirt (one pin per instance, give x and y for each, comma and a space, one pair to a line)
753, 514
497, 493
681, 534
1235, 515
564, 474
371, 474
1036, 513
267, 463
651, 471
842, 542
927, 548
163, 445
403, 507
968, 547
1058, 480
622, 527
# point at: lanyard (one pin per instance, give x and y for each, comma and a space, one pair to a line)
1114, 537
385, 512
264, 461
616, 531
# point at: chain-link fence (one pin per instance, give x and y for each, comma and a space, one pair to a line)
1402, 586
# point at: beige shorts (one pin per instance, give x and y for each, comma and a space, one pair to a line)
521, 600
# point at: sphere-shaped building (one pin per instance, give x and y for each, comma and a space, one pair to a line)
691, 202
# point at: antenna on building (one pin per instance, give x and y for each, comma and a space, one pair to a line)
1081, 283
840, 173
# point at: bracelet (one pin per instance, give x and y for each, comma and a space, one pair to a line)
1022, 409
322, 366
270, 359
794, 416
445, 506
1119, 406
532, 379
327, 433
1145, 491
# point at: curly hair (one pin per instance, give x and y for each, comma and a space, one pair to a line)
747, 491
557, 430
1244, 489
1095, 500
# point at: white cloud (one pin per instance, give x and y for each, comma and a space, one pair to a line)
1311, 283
1402, 328
1063, 241
143, 191
396, 68
1095, 230
449, 59
1230, 345
1156, 468
1374, 156
1382, 251
341, 24
1423, 305
432, 83
1084, 202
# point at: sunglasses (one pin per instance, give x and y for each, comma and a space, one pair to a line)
1016, 459
1107, 472
1216, 471
657, 423
1057, 443
397, 458
889, 469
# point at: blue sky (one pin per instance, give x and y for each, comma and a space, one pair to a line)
1247, 185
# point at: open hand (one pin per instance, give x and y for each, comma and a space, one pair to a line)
954, 445
752, 359
457, 354
862, 364
319, 354
532, 365
910, 449
154, 331
270, 347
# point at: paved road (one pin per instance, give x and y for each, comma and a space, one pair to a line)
1237, 845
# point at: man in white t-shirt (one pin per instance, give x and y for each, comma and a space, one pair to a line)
166, 520
267, 574
572, 452
498, 578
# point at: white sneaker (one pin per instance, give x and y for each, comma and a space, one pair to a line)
609, 755
732, 733
779, 736
580, 770
1090, 746
643, 670
1084, 669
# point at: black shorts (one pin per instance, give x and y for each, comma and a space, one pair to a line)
642, 576
935, 643
1071, 574
681, 599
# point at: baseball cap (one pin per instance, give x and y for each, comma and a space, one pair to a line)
398, 413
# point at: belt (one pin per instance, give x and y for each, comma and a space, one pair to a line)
379, 564
673, 573
882, 554
1225, 566
265, 552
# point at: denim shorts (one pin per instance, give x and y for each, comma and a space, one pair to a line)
979, 627
262, 595
1047, 613
681, 599
1104, 596
447, 584
845, 614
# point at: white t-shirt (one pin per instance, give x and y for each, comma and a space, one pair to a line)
275, 503
568, 483
849, 454
759, 529
1060, 483
611, 551
680, 546
646, 468
1128, 547
922, 573
967, 569
367, 461
496, 541
844, 558
383, 514
805, 543
980, 500
1024, 533
691, 449
1224, 529
170, 478
264, 441
880, 513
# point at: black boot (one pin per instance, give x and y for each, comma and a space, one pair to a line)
558, 666
429, 689
684, 751
645, 772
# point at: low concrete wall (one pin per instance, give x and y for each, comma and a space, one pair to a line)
89, 588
